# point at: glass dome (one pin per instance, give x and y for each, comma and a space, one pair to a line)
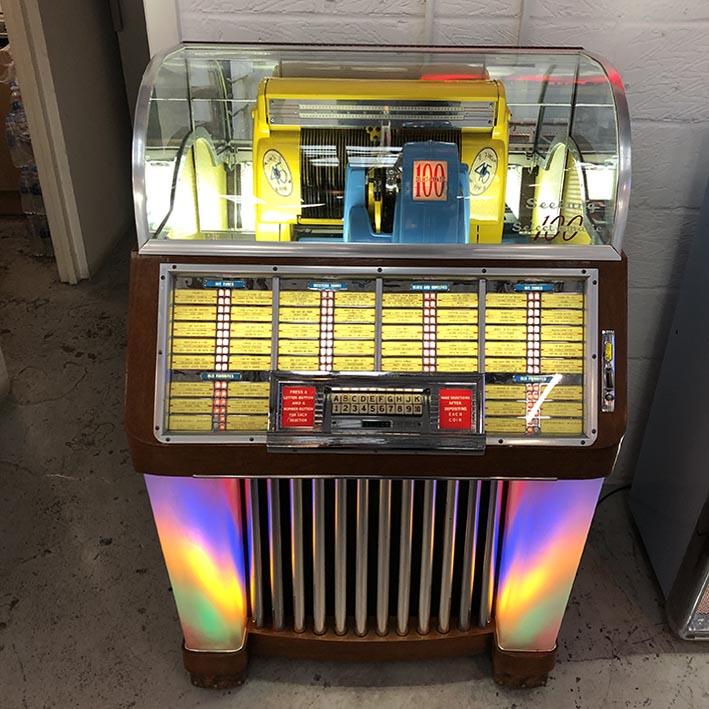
401, 151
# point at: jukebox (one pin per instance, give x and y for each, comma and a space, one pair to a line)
376, 368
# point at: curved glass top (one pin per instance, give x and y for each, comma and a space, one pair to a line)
349, 150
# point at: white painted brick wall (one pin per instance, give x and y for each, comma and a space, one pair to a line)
662, 51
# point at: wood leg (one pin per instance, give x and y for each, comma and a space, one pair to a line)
216, 670
513, 668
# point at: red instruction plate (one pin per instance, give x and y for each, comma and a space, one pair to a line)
297, 407
455, 409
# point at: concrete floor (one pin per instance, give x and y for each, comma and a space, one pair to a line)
86, 614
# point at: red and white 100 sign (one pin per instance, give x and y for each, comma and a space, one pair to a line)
430, 179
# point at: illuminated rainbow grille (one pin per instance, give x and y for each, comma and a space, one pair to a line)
546, 525
199, 525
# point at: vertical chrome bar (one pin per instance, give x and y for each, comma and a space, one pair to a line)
444, 607
319, 556
340, 556
361, 558
407, 514
469, 547
490, 559
383, 542
253, 535
296, 551
428, 525
274, 547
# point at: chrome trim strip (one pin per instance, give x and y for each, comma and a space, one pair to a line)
296, 536
340, 556
383, 544
362, 541
319, 556
428, 525
472, 514
489, 570
275, 554
444, 608
253, 535
379, 252
407, 515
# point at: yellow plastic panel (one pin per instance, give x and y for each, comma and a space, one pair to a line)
457, 364
246, 423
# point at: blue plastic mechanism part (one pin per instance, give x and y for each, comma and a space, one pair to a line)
419, 218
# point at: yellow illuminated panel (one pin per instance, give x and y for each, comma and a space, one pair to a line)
361, 331
505, 408
505, 425
251, 297
190, 423
192, 362
402, 332
301, 364
246, 423
249, 389
394, 348
457, 349
191, 389
298, 347
401, 316
562, 317
506, 316
354, 315
196, 312
572, 393
562, 349
195, 295
457, 332
190, 406
506, 364
192, 345
194, 329
307, 315
562, 300
249, 362
402, 300
353, 298
457, 364
354, 347
505, 332
562, 408
251, 313
401, 364
561, 333
300, 331
299, 297
506, 300
247, 406
354, 364
457, 316
239, 346
573, 427
505, 349
250, 330
562, 366
505, 391
457, 300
